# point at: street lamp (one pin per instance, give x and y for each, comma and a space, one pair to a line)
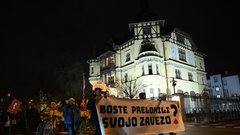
174, 83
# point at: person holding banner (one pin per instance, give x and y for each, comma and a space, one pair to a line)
163, 97
91, 105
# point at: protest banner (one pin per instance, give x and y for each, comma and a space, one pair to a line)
135, 116
14, 106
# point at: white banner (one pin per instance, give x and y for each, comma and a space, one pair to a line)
137, 116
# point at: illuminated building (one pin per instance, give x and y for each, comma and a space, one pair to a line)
152, 57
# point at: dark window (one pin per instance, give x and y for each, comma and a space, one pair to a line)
127, 57
126, 77
150, 69
92, 70
182, 54
215, 79
178, 74
146, 30
200, 65
157, 69
143, 70
224, 82
180, 38
190, 77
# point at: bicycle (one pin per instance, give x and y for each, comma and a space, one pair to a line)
45, 127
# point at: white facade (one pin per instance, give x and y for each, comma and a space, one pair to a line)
220, 87
152, 58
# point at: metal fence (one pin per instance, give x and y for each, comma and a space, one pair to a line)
208, 110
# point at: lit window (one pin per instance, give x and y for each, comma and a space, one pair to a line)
111, 80
217, 88
151, 93
218, 96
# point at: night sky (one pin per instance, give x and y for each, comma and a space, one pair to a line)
38, 35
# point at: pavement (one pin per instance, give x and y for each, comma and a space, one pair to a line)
225, 124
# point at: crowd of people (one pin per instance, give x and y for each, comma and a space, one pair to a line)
66, 115
61, 116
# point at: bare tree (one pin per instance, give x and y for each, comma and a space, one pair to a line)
131, 87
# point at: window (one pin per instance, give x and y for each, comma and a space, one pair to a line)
150, 69
151, 93
126, 77
157, 69
146, 30
92, 70
143, 73
111, 80
174, 53
190, 58
224, 82
190, 76
178, 74
215, 79
218, 96
127, 57
217, 88
226, 93
180, 38
182, 54
110, 61
201, 65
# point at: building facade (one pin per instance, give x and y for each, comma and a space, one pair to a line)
224, 87
152, 59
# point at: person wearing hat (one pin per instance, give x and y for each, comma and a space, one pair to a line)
91, 105
71, 116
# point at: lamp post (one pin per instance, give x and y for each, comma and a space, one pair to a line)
174, 83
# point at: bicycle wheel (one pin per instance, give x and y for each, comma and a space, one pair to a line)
40, 129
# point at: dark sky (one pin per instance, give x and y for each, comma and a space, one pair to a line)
36, 35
